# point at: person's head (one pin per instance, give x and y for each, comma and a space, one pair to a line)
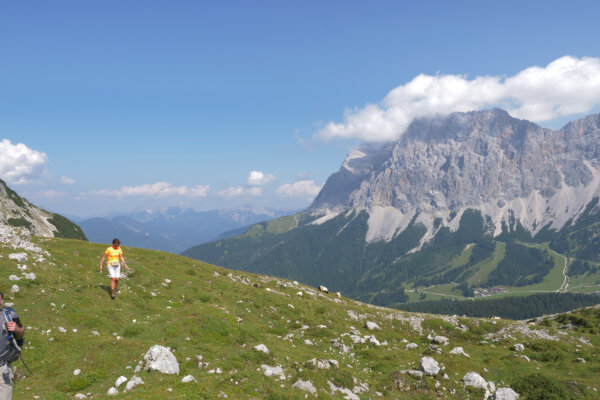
116, 242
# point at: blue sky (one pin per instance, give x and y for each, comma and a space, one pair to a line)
195, 95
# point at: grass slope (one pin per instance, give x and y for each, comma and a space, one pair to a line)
209, 311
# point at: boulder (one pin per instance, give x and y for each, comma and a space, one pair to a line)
323, 289
411, 346
120, 380
475, 380
372, 326
15, 289
188, 379
505, 394
262, 348
273, 371
112, 391
20, 257
161, 359
518, 347
443, 340
307, 386
133, 382
429, 366
459, 350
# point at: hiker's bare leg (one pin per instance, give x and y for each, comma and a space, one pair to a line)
116, 281
113, 284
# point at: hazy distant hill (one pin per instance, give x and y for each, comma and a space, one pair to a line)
172, 229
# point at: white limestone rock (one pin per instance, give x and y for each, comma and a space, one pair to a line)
120, 380
161, 359
262, 348
273, 371
459, 350
19, 257
188, 379
475, 380
372, 326
411, 346
133, 382
307, 386
518, 347
505, 393
429, 366
443, 340
112, 391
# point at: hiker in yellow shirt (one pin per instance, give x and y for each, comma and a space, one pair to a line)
115, 257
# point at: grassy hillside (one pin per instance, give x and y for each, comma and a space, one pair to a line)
220, 315
461, 264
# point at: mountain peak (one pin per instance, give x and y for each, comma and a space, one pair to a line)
485, 160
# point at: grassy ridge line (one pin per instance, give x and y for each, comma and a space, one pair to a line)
199, 314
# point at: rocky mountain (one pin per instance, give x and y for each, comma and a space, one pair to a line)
173, 229
510, 170
16, 213
459, 204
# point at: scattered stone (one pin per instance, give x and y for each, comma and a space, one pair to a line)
112, 391
580, 360
120, 380
31, 276
459, 350
15, 289
518, 347
133, 382
188, 379
307, 386
160, 359
372, 326
273, 371
475, 380
95, 333
20, 257
429, 366
338, 294
262, 348
80, 396
411, 346
308, 342
443, 340
415, 373
323, 289
13, 278
505, 394
76, 372
526, 358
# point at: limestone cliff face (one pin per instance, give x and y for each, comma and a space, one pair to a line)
511, 170
17, 213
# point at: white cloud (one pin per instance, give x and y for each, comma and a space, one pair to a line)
257, 178
52, 194
566, 86
65, 180
235, 191
299, 188
18, 163
158, 189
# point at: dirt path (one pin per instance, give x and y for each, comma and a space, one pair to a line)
565, 285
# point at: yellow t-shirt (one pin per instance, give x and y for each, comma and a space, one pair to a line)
113, 255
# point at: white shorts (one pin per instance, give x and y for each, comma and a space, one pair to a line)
114, 271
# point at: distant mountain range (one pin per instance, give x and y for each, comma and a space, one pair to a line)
458, 204
173, 229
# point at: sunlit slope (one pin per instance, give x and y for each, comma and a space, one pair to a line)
221, 315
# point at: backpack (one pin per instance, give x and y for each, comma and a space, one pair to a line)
14, 351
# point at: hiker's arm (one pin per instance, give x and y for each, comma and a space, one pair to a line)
123, 260
17, 329
102, 262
